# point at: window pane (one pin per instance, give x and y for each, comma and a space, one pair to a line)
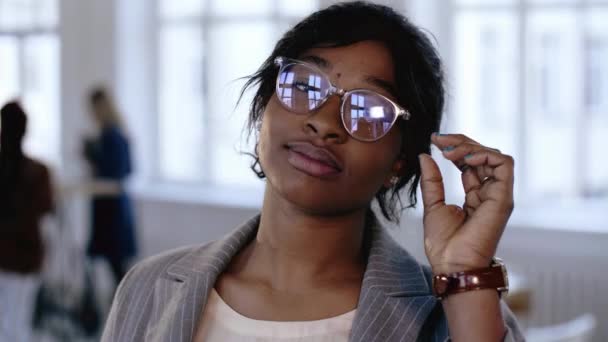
486, 78
596, 100
554, 92
228, 45
46, 13
9, 69
16, 14
298, 8
182, 8
596, 62
41, 97
240, 7
181, 124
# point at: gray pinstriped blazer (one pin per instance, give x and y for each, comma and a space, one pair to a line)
162, 297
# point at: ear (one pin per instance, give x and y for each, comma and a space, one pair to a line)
396, 171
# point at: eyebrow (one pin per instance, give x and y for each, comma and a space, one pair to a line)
386, 85
378, 82
320, 62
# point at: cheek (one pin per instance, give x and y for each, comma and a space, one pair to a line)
369, 171
265, 141
373, 163
274, 126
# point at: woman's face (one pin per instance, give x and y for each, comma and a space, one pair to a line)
99, 109
309, 159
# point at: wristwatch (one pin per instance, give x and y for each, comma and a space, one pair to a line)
493, 277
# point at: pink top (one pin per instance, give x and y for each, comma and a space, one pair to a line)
219, 322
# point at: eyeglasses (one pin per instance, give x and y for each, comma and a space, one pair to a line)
366, 115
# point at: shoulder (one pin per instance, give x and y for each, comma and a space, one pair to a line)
113, 133
209, 258
138, 285
386, 254
146, 271
35, 164
35, 170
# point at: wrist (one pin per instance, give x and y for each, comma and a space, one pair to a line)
452, 267
490, 276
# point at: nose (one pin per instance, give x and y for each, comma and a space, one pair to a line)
326, 122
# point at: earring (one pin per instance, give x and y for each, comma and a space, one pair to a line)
394, 180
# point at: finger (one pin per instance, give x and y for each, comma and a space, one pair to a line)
491, 164
431, 183
471, 185
471, 203
456, 153
470, 180
444, 140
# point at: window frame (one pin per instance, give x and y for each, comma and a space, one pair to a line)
21, 35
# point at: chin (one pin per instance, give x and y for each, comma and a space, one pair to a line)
318, 200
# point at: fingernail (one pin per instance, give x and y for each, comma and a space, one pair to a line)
468, 156
448, 149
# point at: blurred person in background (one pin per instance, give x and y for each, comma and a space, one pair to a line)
345, 113
25, 197
108, 154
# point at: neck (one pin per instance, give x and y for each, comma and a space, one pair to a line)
10, 151
295, 250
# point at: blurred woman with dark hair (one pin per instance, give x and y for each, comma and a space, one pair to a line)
25, 197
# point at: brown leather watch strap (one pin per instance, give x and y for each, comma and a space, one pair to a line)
493, 277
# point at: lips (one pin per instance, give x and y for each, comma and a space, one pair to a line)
313, 160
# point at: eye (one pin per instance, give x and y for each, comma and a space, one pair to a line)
305, 87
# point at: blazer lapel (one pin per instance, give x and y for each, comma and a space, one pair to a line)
395, 297
393, 305
181, 294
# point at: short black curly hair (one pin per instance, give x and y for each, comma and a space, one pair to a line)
418, 74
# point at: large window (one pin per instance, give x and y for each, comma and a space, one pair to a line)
527, 76
204, 48
531, 77
29, 70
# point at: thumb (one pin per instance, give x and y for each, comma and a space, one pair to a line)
433, 194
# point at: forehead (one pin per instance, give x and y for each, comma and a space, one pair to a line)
361, 59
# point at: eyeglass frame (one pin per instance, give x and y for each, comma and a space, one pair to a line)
283, 62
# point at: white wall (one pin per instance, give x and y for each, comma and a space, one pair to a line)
87, 38
87, 30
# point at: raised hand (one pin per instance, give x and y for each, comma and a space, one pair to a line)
464, 238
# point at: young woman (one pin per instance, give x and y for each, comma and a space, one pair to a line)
345, 111
113, 228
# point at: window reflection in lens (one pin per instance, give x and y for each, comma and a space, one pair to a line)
302, 88
284, 90
314, 91
367, 115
